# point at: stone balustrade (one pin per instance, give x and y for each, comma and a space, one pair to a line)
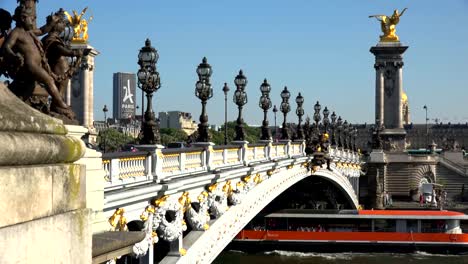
134, 168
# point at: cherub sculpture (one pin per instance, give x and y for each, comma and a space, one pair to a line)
57, 51
388, 24
24, 57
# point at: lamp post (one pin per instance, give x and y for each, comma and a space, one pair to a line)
326, 121
275, 110
354, 139
103, 135
285, 108
300, 113
105, 114
427, 130
339, 129
345, 134
240, 99
149, 82
204, 92
225, 90
317, 108
265, 104
333, 129
350, 136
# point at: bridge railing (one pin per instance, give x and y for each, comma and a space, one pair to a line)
129, 168
133, 168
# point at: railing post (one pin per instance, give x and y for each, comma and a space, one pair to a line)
183, 158
148, 167
156, 160
287, 147
267, 148
208, 157
243, 151
114, 170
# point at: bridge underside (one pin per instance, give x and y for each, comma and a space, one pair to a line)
204, 246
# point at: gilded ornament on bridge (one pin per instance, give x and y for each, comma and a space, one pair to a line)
118, 220
80, 25
247, 178
161, 201
258, 178
388, 24
212, 187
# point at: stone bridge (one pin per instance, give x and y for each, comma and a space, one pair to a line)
211, 191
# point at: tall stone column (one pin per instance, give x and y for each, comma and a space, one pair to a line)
389, 85
81, 88
379, 93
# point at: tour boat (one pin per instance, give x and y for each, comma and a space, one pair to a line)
357, 231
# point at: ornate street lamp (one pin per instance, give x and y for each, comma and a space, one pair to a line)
285, 108
333, 129
350, 136
225, 90
339, 130
345, 134
265, 104
105, 114
240, 99
317, 108
149, 82
326, 121
300, 113
354, 139
204, 92
275, 110
427, 130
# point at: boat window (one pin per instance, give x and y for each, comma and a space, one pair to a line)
412, 226
384, 225
433, 226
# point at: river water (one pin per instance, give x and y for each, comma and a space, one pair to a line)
276, 257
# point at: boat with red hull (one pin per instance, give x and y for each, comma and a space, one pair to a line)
357, 231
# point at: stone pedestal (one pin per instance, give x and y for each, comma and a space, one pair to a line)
80, 91
43, 194
94, 181
388, 91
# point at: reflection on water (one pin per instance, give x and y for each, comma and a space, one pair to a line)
274, 257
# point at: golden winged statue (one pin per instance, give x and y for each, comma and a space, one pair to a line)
80, 25
388, 24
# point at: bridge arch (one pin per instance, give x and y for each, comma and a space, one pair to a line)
211, 242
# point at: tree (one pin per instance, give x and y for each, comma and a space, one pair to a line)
169, 135
111, 140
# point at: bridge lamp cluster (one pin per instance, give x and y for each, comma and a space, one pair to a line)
299, 113
149, 82
240, 99
203, 91
265, 104
285, 108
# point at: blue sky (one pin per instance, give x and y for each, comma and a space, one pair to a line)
318, 48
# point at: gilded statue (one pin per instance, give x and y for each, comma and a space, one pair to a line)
388, 24
80, 25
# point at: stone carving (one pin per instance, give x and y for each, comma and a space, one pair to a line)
172, 223
389, 84
235, 196
197, 214
217, 200
141, 248
24, 59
